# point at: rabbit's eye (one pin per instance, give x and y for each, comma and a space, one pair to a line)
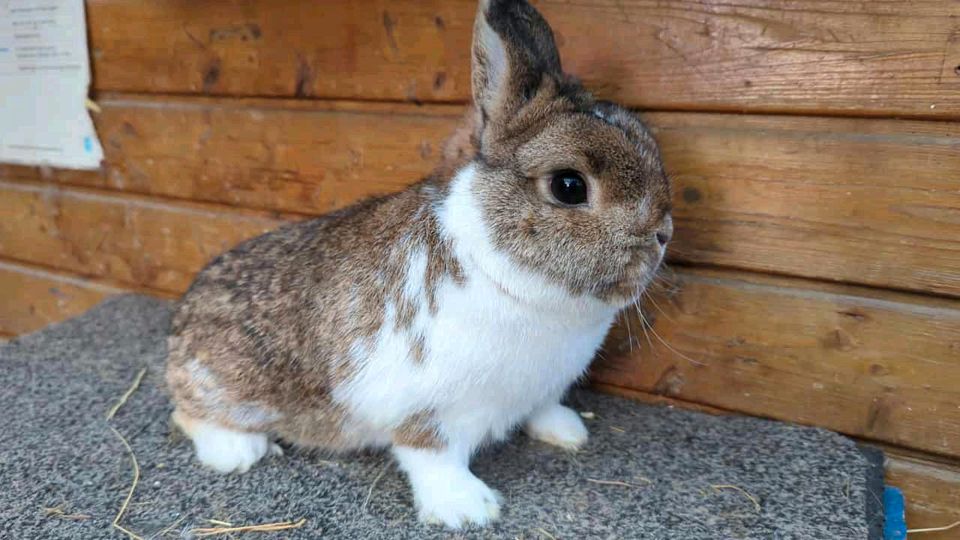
568, 187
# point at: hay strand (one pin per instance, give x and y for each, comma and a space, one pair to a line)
543, 531
163, 532
617, 483
718, 487
136, 479
935, 529
60, 513
265, 527
126, 395
373, 485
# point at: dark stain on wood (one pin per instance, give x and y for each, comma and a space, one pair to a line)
211, 75
735, 342
439, 80
128, 129
878, 370
691, 195
389, 25
243, 32
304, 82
854, 314
747, 360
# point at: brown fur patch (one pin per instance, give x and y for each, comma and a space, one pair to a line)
418, 431
418, 349
276, 321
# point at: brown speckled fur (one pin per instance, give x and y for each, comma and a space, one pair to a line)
272, 319
263, 336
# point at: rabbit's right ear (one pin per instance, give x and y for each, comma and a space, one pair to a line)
513, 49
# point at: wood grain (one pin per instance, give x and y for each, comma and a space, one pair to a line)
31, 298
126, 239
283, 155
874, 364
896, 57
296, 156
862, 201
931, 490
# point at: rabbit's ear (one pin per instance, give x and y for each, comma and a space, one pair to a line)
513, 49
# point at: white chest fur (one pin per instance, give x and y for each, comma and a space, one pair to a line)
501, 344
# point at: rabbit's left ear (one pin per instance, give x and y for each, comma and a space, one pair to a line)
513, 49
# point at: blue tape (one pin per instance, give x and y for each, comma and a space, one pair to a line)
894, 514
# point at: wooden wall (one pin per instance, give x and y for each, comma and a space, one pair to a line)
814, 145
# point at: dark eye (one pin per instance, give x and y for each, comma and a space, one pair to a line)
568, 187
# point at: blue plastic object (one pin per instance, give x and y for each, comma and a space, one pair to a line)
894, 514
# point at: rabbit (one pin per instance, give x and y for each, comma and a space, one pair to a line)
433, 321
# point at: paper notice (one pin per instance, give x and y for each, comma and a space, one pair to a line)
44, 75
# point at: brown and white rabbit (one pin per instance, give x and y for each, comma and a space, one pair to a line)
437, 319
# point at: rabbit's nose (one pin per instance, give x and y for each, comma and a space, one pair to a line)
665, 231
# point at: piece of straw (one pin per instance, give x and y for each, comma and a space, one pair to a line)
126, 395
133, 486
266, 527
542, 531
366, 501
718, 487
163, 532
614, 483
935, 529
93, 106
58, 512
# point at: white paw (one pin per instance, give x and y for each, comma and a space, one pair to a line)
557, 425
226, 451
456, 499
444, 490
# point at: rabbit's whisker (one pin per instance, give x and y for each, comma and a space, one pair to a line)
664, 342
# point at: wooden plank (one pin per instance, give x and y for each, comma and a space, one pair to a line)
131, 240
931, 485
862, 201
874, 364
870, 58
31, 298
266, 154
932, 493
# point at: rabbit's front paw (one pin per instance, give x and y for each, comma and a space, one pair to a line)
557, 425
444, 490
456, 500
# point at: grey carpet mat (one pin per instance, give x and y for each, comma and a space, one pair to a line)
647, 472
